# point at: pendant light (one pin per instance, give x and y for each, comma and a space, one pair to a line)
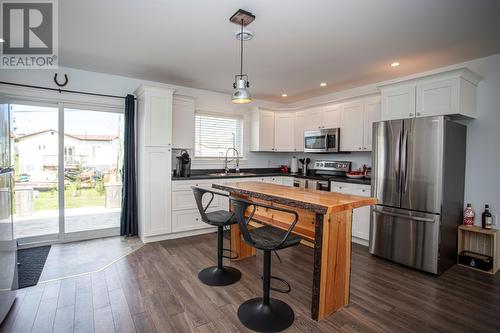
241, 95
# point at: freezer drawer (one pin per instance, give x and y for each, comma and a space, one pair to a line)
406, 237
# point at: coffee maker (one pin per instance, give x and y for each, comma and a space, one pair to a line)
183, 166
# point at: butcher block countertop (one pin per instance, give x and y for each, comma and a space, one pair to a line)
317, 201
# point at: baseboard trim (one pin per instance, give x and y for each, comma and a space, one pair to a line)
158, 238
359, 241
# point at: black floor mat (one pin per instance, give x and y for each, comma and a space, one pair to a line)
31, 262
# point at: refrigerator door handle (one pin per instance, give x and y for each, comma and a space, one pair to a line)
408, 217
396, 163
404, 164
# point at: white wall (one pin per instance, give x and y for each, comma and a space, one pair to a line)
482, 182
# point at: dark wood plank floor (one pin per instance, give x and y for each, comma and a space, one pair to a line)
155, 289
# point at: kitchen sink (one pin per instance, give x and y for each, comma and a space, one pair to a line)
222, 174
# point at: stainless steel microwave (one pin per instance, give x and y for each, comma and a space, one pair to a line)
324, 140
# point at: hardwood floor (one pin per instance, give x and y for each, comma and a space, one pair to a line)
155, 289
86, 256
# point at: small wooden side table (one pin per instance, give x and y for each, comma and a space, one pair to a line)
481, 241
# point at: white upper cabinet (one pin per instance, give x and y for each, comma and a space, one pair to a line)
262, 130
446, 97
183, 122
155, 116
371, 115
300, 117
284, 139
331, 116
357, 118
313, 118
325, 116
450, 93
398, 102
351, 131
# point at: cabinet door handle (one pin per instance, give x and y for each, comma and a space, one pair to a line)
418, 113
411, 114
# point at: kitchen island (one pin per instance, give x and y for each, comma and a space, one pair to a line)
324, 221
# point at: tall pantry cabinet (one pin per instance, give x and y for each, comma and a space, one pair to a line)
154, 161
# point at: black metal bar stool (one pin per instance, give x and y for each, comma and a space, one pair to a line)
265, 314
216, 275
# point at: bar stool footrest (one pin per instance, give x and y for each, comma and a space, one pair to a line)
285, 290
230, 256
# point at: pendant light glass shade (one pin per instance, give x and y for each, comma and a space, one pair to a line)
241, 95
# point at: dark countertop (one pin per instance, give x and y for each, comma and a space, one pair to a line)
269, 172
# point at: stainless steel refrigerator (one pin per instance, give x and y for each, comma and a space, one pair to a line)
8, 245
418, 179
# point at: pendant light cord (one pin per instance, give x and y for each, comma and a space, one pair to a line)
241, 50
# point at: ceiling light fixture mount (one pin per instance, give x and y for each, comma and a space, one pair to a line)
395, 64
284, 95
241, 95
322, 84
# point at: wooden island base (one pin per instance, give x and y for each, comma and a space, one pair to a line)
324, 220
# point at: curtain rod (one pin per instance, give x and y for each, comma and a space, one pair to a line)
60, 90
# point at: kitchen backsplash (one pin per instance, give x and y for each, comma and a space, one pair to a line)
274, 160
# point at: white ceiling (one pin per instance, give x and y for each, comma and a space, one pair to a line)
297, 44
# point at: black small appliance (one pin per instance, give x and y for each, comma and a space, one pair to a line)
183, 165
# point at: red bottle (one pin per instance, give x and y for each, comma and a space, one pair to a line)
468, 215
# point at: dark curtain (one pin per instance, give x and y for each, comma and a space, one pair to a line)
128, 219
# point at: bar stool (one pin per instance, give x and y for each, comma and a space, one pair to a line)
216, 275
265, 314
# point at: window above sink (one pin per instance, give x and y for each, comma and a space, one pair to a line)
215, 133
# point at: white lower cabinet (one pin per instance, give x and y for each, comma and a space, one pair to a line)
185, 214
187, 220
360, 216
288, 181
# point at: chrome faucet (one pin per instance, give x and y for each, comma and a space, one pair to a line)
226, 167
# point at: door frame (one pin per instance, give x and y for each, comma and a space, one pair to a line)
34, 97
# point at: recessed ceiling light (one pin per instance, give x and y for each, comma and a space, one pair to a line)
284, 95
395, 64
2, 40
323, 84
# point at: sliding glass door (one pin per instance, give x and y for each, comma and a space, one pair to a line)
92, 164
67, 164
34, 155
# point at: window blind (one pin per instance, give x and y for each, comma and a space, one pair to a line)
215, 134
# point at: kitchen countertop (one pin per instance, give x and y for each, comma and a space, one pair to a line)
269, 172
312, 200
